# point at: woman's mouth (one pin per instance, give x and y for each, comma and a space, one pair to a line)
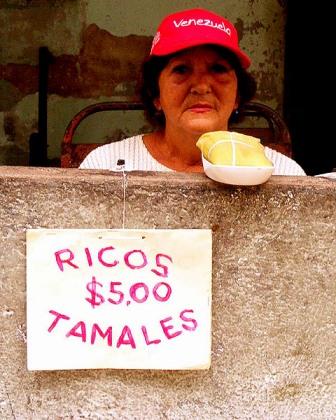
200, 108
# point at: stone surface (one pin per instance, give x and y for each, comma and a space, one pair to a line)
274, 291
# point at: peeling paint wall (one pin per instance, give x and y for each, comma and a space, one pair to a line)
97, 50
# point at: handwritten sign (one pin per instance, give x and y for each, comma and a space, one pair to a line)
130, 299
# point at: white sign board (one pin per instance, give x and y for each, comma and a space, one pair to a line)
127, 299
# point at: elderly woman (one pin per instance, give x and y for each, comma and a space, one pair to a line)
193, 82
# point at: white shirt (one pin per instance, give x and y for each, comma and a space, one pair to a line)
137, 158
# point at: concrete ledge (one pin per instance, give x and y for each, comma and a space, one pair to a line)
274, 293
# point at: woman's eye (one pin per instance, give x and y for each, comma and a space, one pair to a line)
220, 68
180, 69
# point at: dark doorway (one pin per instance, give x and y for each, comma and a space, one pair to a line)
307, 88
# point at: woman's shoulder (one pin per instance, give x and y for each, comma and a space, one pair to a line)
283, 165
107, 155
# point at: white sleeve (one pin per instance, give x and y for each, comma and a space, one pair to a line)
99, 158
283, 165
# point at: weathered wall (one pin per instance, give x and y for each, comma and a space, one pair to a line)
98, 47
274, 291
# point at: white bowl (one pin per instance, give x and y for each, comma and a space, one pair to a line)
237, 175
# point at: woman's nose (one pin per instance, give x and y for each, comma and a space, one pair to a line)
200, 84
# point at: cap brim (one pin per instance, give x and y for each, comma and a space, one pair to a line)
170, 48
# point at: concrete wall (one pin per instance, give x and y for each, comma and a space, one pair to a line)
98, 47
274, 291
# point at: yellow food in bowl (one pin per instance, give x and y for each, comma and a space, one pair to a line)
233, 149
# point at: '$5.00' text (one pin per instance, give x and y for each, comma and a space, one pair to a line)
138, 292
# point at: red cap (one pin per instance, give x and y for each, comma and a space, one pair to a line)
193, 27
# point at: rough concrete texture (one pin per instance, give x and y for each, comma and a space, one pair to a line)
274, 291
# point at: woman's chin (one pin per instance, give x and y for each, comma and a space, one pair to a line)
202, 127
203, 123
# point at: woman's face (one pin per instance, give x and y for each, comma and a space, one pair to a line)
198, 91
